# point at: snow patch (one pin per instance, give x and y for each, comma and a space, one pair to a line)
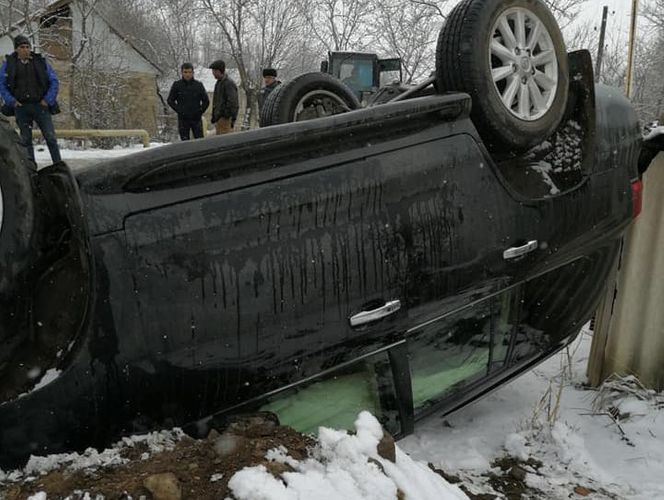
544, 169
91, 458
345, 466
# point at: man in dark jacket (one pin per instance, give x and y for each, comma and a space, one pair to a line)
29, 86
189, 100
225, 103
270, 83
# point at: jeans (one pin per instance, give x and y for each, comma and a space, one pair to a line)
187, 124
25, 116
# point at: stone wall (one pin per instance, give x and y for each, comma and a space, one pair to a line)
63, 70
142, 102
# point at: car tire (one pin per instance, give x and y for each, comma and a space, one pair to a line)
17, 225
308, 96
510, 57
266, 111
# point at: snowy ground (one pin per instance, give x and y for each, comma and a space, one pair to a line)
615, 450
81, 157
581, 448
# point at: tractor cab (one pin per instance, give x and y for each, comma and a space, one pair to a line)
363, 73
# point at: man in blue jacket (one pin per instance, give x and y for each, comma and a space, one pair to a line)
29, 86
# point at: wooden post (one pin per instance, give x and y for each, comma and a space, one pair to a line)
600, 48
630, 53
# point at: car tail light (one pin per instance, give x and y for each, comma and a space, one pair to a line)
637, 197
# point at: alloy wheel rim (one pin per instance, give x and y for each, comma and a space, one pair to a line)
323, 102
523, 63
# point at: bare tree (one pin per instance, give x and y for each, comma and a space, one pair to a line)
648, 93
407, 30
256, 33
180, 22
565, 11
338, 25
22, 16
653, 11
98, 70
231, 16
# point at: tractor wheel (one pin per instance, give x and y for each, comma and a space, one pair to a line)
509, 55
309, 96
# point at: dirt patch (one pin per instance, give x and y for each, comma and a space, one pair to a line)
197, 469
512, 480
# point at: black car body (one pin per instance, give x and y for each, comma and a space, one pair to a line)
377, 259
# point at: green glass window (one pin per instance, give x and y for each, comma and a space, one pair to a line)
336, 399
450, 354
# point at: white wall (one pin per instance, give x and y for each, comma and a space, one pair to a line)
109, 51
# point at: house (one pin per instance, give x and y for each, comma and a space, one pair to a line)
106, 80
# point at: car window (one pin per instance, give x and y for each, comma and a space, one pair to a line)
449, 354
336, 399
549, 299
357, 74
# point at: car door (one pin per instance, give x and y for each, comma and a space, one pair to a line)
270, 282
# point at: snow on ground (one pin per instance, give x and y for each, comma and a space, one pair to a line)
86, 155
345, 466
583, 446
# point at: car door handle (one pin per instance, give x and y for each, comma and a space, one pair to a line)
514, 252
365, 317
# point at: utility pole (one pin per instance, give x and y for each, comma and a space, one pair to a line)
630, 56
600, 49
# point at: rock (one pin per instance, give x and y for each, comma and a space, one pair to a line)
254, 425
213, 435
377, 464
386, 448
277, 468
582, 491
164, 486
518, 473
227, 444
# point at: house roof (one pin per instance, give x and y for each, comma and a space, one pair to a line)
53, 7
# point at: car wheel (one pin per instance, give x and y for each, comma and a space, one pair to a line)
17, 222
309, 96
509, 55
268, 106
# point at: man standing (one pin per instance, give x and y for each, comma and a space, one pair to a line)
270, 83
189, 100
225, 101
29, 86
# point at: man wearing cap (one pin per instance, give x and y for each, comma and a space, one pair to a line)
225, 103
270, 83
29, 86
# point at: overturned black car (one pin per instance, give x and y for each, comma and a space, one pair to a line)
403, 258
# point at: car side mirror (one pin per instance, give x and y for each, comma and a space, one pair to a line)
653, 143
